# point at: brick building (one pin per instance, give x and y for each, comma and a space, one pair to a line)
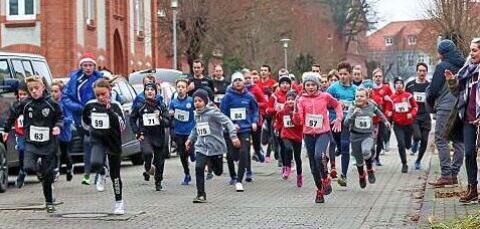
122, 34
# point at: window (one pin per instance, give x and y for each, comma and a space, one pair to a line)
389, 41
41, 68
140, 20
18, 69
410, 60
399, 60
421, 58
412, 40
20, 10
90, 12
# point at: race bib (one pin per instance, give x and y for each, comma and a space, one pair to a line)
203, 129
279, 106
287, 121
346, 104
314, 121
39, 134
150, 119
181, 115
237, 114
420, 97
363, 122
218, 98
100, 121
401, 107
20, 121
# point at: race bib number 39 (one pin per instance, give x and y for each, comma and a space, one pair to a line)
363, 122
150, 119
401, 107
181, 115
314, 121
39, 134
203, 129
287, 121
100, 121
237, 114
420, 97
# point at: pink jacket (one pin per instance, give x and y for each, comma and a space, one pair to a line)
311, 112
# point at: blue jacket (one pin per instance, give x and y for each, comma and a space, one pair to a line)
141, 98
76, 94
182, 105
243, 103
66, 133
342, 94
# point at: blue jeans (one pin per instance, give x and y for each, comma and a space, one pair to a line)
469, 139
316, 147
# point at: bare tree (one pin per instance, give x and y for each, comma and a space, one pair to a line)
454, 19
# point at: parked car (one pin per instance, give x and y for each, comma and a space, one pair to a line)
14, 67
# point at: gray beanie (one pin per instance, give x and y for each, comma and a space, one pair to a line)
312, 78
446, 46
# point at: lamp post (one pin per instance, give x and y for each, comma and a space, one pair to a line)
285, 42
174, 5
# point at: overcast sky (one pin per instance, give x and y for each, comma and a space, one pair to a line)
398, 10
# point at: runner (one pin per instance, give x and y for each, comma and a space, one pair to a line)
220, 85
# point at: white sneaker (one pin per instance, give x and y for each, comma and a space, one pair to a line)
119, 208
100, 185
152, 170
239, 187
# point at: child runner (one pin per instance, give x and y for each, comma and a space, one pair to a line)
381, 93
360, 122
105, 121
43, 121
402, 108
311, 112
207, 135
242, 108
181, 109
146, 121
66, 135
291, 135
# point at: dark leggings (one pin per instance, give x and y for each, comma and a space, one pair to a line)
46, 169
65, 155
215, 163
293, 149
316, 146
238, 154
382, 132
469, 138
182, 151
421, 130
153, 154
404, 140
99, 154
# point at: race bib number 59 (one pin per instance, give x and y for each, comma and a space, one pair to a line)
100, 121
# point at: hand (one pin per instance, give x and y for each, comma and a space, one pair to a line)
140, 137
108, 105
356, 110
188, 144
389, 114
191, 86
276, 132
449, 75
254, 127
337, 125
5, 136
409, 116
237, 127
56, 131
171, 112
388, 125
476, 122
236, 142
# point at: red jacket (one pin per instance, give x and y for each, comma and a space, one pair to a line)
284, 122
262, 102
267, 86
19, 130
401, 104
377, 99
276, 102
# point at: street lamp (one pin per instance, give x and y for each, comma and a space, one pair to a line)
285, 42
174, 5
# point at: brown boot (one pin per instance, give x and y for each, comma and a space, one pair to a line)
470, 195
441, 182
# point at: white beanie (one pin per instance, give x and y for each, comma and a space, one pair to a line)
236, 76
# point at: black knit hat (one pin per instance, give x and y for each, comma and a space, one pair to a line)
284, 79
398, 79
202, 94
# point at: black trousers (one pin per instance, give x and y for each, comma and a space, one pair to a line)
404, 140
238, 154
46, 168
153, 154
216, 164
182, 151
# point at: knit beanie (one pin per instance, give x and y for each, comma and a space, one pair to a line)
367, 84
446, 46
398, 79
151, 85
202, 94
237, 76
291, 93
87, 57
311, 77
284, 79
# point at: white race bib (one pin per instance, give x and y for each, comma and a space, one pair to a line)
39, 134
401, 107
420, 97
181, 115
314, 121
218, 98
203, 129
287, 121
279, 106
346, 104
150, 119
100, 121
20, 121
363, 122
237, 114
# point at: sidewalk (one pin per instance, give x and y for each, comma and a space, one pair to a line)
442, 203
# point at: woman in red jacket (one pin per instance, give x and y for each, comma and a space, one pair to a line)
403, 109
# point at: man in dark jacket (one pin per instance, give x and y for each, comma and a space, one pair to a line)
442, 101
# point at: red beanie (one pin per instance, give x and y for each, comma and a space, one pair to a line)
87, 57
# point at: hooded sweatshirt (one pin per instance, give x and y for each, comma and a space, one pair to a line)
261, 100
311, 112
362, 121
208, 131
241, 107
288, 129
401, 104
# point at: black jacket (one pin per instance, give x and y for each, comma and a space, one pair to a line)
139, 117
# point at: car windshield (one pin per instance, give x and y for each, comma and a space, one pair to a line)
161, 74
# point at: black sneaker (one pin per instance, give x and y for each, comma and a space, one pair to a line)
200, 199
50, 208
404, 168
158, 187
146, 176
371, 176
20, 182
362, 180
70, 173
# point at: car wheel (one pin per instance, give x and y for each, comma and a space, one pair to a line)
137, 159
3, 169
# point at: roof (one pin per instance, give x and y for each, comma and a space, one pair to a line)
399, 31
